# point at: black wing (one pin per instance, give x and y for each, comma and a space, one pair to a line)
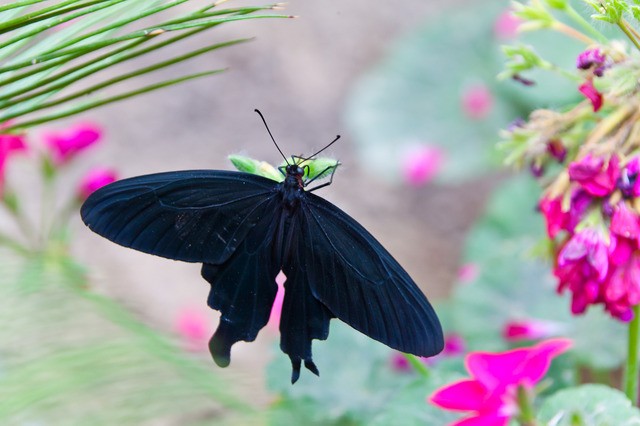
350, 272
193, 216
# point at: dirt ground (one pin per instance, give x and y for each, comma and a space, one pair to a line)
299, 73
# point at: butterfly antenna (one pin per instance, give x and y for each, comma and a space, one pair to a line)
331, 143
274, 141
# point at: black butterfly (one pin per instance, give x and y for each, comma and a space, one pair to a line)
244, 229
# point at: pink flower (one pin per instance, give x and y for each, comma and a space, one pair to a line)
194, 328
628, 182
622, 288
95, 179
506, 26
454, 345
399, 362
66, 144
531, 329
625, 222
468, 272
582, 267
557, 219
491, 392
9, 145
276, 308
596, 177
477, 101
421, 164
591, 58
590, 92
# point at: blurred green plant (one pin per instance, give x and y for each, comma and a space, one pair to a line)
47, 48
67, 354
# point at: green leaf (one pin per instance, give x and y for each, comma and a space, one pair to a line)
410, 405
62, 348
589, 405
373, 386
256, 167
513, 285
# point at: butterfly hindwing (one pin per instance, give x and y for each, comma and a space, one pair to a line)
362, 284
243, 288
193, 216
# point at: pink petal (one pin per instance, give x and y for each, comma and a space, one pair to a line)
421, 164
453, 345
276, 308
506, 26
530, 329
477, 101
66, 144
625, 222
468, 272
591, 93
488, 419
194, 328
95, 179
538, 360
462, 395
495, 370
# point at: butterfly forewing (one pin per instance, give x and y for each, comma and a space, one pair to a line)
350, 272
193, 216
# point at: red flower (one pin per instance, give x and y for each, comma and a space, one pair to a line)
66, 144
491, 392
94, 180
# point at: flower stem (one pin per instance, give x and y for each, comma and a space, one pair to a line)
628, 32
578, 19
527, 416
417, 365
631, 372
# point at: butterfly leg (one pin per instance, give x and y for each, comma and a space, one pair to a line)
335, 167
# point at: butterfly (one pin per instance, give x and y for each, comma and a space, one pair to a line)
245, 229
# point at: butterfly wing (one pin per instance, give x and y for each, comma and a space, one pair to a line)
350, 273
193, 216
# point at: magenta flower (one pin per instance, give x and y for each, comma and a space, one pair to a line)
591, 58
468, 272
628, 182
9, 145
594, 175
590, 92
530, 329
276, 308
582, 267
622, 289
506, 26
194, 328
557, 219
557, 150
625, 221
477, 101
421, 164
491, 392
95, 179
66, 144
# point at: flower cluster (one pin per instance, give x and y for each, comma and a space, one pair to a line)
598, 260
590, 204
56, 152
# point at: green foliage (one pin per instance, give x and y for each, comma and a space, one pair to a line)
589, 405
375, 392
414, 95
71, 356
45, 50
513, 285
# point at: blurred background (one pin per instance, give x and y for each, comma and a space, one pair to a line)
411, 88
